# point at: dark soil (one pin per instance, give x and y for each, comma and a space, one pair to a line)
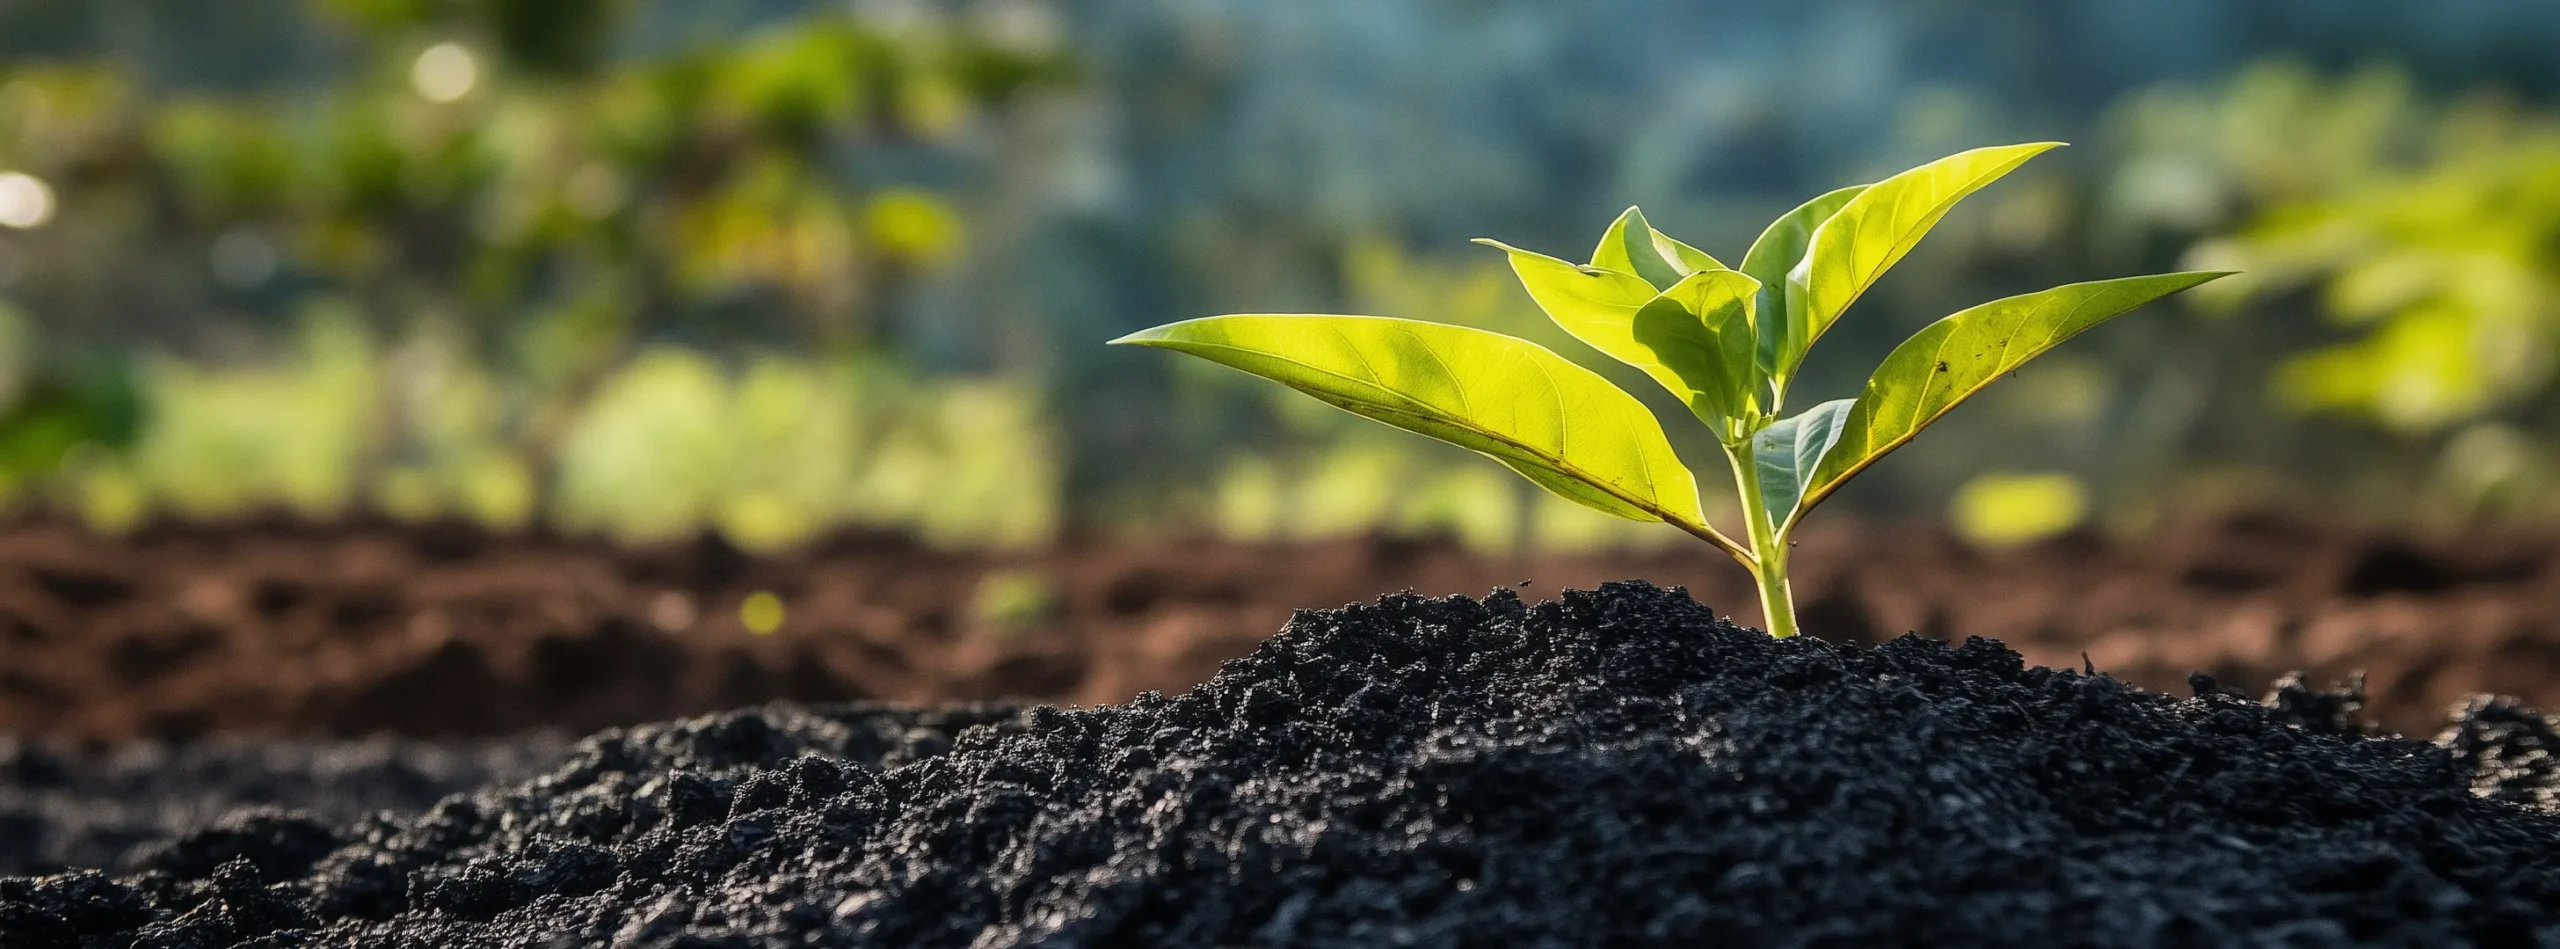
349, 630
1613, 769
65, 807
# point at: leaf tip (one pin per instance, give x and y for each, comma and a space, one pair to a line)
2024, 150
2191, 279
1150, 335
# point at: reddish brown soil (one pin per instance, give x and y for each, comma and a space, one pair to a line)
441, 631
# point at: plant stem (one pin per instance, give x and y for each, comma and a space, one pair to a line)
1777, 600
1768, 550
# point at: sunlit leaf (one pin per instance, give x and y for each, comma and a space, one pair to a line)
1595, 304
1789, 451
1631, 245
1627, 247
1559, 424
1577, 294
1873, 231
1783, 333
1942, 365
1684, 258
1699, 337
1682, 344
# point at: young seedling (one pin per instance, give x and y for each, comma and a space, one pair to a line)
1727, 341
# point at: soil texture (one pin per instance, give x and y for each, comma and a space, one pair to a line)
1614, 768
65, 807
441, 631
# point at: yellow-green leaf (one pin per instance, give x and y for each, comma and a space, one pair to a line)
1698, 335
1682, 343
1684, 258
1942, 365
1577, 296
1558, 424
1784, 335
1631, 245
1595, 304
1872, 232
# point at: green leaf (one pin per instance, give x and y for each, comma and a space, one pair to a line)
1942, 365
1632, 246
1559, 424
1595, 304
1699, 337
1683, 343
1627, 247
1684, 258
1585, 300
1789, 451
1783, 333
1877, 227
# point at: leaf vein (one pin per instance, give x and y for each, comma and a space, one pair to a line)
1456, 384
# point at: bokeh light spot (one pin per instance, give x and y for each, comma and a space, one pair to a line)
445, 72
672, 611
25, 200
2004, 509
761, 612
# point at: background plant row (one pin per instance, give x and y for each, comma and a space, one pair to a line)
774, 267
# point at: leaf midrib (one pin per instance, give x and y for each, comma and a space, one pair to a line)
1901, 247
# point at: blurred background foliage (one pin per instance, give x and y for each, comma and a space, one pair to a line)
774, 267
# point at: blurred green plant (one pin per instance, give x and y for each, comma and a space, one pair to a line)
793, 446
2432, 237
2417, 236
54, 406
539, 222
292, 435
670, 444
1012, 601
1726, 341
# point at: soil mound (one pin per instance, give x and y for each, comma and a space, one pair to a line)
1617, 768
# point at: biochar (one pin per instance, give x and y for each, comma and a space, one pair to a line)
1615, 768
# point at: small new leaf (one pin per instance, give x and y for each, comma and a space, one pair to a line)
1784, 333
1875, 228
1683, 344
1789, 451
1699, 337
1631, 245
1595, 304
1942, 365
1558, 424
1684, 258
